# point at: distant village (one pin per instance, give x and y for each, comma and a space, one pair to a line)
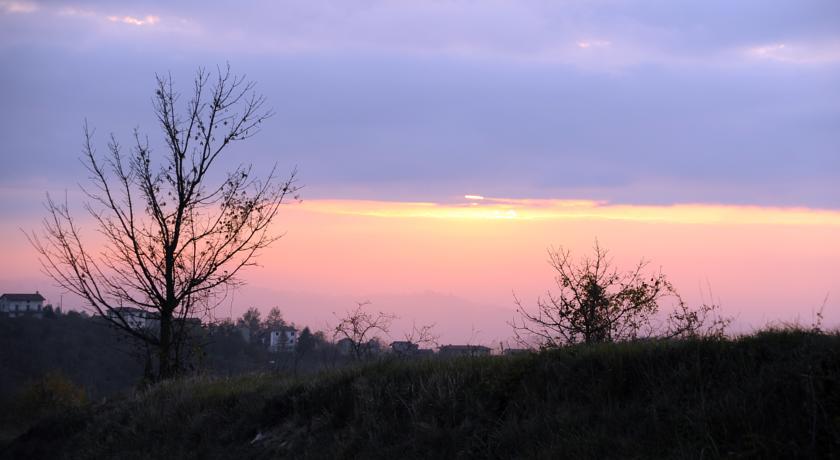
280, 339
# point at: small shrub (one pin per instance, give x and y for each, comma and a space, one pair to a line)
52, 393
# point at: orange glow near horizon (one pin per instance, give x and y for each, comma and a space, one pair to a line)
525, 209
762, 264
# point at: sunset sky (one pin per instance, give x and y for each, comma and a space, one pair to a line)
445, 145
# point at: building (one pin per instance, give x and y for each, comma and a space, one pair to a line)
244, 332
14, 305
191, 324
369, 349
407, 349
135, 318
373, 347
404, 347
449, 351
283, 338
345, 346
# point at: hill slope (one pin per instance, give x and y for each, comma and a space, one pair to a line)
772, 395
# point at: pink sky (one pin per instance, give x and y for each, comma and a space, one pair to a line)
457, 264
415, 104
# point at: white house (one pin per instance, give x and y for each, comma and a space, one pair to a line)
283, 339
134, 318
21, 304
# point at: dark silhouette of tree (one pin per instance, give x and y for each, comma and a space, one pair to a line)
306, 342
595, 302
49, 312
177, 232
251, 320
360, 327
274, 320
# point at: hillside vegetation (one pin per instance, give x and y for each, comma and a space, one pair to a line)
775, 394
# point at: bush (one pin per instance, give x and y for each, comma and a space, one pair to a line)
50, 394
596, 302
47, 396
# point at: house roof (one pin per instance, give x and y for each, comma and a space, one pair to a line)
36, 297
464, 347
126, 310
132, 311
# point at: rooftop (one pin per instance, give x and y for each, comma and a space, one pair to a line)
463, 347
36, 297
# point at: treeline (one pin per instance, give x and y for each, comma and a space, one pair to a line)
233, 347
63, 360
102, 360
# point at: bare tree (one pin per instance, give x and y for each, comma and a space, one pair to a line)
597, 303
422, 335
360, 327
177, 233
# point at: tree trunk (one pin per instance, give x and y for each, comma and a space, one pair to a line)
166, 369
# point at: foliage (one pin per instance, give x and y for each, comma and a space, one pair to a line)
93, 354
48, 395
51, 393
251, 320
176, 238
597, 303
771, 395
274, 320
307, 342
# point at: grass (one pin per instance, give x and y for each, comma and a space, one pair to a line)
775, 394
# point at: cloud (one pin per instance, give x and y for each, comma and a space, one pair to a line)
586, 44
18, 7
47, 13
506, 99
147, 20
798, 53
581, 210
627, 32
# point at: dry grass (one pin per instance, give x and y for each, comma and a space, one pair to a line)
775, 394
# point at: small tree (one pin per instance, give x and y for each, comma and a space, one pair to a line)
306, 342
274, 320
360, 327
176, 232
250, 320
595, 302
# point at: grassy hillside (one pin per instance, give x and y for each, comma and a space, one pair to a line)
86, 350
771, 395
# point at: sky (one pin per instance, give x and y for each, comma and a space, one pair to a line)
702, 136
